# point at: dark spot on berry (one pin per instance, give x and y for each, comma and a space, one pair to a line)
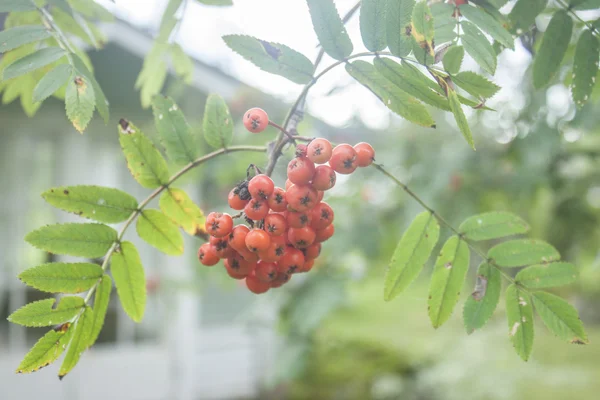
271, 228
304, 219
324, 214
278, 198
279, 251
348, 163
214, 226
301, 242
235, 264
305, 200
256, 205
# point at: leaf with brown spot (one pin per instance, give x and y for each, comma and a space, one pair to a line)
79, 102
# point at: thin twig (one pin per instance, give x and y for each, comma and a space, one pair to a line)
574, 14
444, 222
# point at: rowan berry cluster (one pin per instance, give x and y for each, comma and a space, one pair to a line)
286, 227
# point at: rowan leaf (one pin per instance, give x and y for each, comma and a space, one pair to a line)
174, 130
447, 280
40, 313
80, 101
217, 123
475, 85
560, 317
101, 101
20, 35
585, 67
459, 116
128, 273
488, 24
481, 304
492, 225
144, 161
519, 252
61, 277
410, 255
272, 57
52, 81
83, 240
45, 351
178, 206
524, 12
101, 301
33, 61
453, 59
330, 29
519, 313
81, 340
373, 24
159, 231
555, 43
398, 27
478, 47
102, 204
547, 275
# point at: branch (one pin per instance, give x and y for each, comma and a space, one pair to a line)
58, 33
577, 17
445, 223
157, 192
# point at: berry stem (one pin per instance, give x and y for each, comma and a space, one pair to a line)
155, 194
444, 222
285, 132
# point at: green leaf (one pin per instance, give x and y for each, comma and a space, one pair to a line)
182, 63
555, 43
174, 130
40, 313
80, 341
516, 253
178, 206
272, 57
101, 301
478, 47
101, 102
45, 351
330, 29
52, 81
475, 85
373, 24
62, 277
459, 116
16, 5
488, 24
33, 61
584, 4
492, 225
481, 304
413, 84
99, 203
20, 35
519, 313
217, 123
158, 230
80, 102
447, 280
128, 273
524, 12
453, 59
398, 27
547, 275
560, 317
82, 240
422, 27
444, 23
411, 254
153, 75
144, 161
395, 99
585, 67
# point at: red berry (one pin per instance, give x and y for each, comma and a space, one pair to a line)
237, 238
320, 195
249, 256
301, 197
238, 265
324, 177
235, 201
288, 184
324, 234
257, 240
265, 271
256, 286
301, 150
235, 275
301, 238
275, 224
277, 200
207, 255
322, 216
256, 120
365, 154
319, 151
275, 250
343, 159
291, 261
311, 252
218, 224
307, 266
221, 246
298, 219
281, 280
256, 209
261, 187
300, 171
